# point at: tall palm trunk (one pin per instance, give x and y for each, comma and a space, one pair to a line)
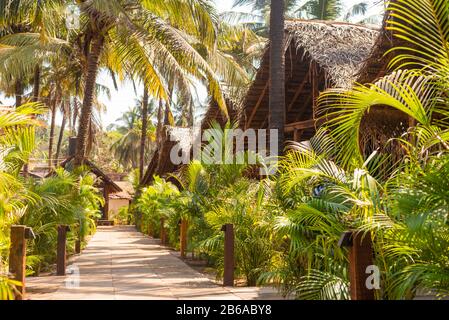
36, 83
75, 103
52, 133
159, 123
277, 71
18, 88
144, 132
86, 110
61, 134
167, 121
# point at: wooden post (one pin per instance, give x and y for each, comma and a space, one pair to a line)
61, 254
17, 256
228, 277
78, 241
78, 246
106, 193
150, 232
183, 238
360, 257
163, 234
297, 135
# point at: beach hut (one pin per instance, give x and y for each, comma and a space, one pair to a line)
318, 55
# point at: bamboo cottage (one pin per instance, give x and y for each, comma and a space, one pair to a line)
318, 55
160, 163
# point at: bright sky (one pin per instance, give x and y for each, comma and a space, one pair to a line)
124, 98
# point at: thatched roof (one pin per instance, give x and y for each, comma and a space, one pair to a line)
377, 63
161, 163
215, 114
337, 47
126, 193
67, 164
318, 55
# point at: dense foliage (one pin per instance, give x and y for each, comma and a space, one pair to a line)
63, 198
288, 225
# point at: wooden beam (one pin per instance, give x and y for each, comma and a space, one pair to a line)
298, 91
297, 135
259, 101
301, 125
315, 91
303, 110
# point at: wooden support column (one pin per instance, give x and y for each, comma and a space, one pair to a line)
297, 135
106, 192
315, 91
17, 256
229, 264
61, 254
360, 257
183, 237
256, 107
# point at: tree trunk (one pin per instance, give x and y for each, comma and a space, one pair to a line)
277, 72
75, 104
143, 138
190, 114
36, 83
86, 110
52, 133
18, 88
159, 123
61, 136
167, 121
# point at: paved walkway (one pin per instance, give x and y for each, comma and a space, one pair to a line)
120, 263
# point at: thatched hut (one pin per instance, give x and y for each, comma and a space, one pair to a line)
161, 164
318, 55
380, 124
215, 114
105, 181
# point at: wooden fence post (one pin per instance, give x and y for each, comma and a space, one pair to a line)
78, 246
17, 256
163, 234
150, 232
229, 263
61, 254
183, 238
78, 241
360, 257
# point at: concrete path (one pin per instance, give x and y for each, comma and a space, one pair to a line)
120, 263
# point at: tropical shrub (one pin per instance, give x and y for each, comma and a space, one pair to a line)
64, 198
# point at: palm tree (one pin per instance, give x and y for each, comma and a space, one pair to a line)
124, 26
127, 147
277, 72
320, 9
144, 133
